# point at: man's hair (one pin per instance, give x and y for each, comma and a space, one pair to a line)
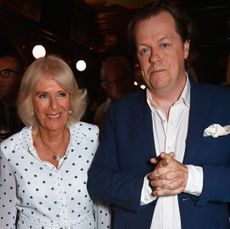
7, 48
117, 62
153, 8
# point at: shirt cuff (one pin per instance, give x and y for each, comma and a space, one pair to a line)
195, 180
146, 192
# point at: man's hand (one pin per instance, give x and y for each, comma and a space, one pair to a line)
169, 176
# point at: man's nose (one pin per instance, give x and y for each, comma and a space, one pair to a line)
154, 56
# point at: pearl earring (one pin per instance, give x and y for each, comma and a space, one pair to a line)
70, 111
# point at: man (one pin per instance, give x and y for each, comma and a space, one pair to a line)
117, 79
164, 161
10, 76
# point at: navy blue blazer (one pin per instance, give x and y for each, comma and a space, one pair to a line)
122, 160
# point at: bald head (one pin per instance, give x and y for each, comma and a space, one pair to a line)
116, 77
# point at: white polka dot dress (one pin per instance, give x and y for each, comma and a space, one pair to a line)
42, 196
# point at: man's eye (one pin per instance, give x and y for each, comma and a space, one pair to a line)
5, 73
144, 51
165, 45
8, 73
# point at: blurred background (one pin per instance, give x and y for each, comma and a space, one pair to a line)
92, 30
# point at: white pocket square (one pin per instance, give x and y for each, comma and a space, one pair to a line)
216, 130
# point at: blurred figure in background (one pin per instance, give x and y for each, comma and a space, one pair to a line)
11, 69
117, 79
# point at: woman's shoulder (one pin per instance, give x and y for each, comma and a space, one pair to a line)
84, 128
85, 138
14, 140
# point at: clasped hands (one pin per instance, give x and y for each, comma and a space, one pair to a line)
169, 176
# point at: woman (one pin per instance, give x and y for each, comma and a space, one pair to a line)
44, 166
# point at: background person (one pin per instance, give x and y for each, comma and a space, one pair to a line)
158, 165
44, 166
117, 79
11, 68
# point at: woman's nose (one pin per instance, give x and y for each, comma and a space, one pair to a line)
53, 102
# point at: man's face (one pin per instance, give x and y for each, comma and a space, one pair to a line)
161, 53
9, 78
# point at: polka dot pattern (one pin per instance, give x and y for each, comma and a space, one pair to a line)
44, 196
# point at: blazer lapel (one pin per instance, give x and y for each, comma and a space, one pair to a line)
143, 121
198, 119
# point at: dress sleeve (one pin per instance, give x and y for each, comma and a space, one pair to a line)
102, 215
7, 195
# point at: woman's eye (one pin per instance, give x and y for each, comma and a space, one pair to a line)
41, 96
62, 94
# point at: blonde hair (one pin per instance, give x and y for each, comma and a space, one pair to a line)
56, 68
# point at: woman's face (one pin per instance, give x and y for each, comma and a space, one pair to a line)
51, 104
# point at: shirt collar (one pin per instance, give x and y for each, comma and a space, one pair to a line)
184, 97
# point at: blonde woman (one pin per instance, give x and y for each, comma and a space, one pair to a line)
44, 166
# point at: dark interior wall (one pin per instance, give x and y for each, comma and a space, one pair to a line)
70, 29
212, 39
55, 29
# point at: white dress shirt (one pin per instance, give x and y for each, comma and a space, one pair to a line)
170, 136
45, 196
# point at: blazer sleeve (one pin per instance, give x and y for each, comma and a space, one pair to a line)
209, 105
216, 185
106, 181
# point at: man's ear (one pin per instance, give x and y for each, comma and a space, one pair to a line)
142, 73
186, 48
103, 84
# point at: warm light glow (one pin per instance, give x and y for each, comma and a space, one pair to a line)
81, 65
38, 51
